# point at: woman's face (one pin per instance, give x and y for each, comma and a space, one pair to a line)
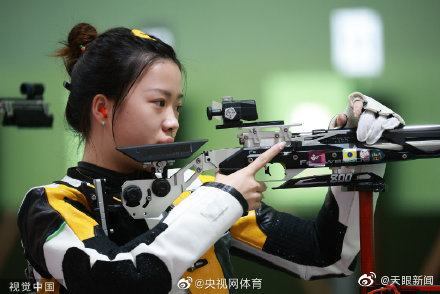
149, 114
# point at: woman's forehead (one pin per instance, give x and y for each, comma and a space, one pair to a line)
162, 71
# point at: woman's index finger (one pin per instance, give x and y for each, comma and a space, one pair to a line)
265, 157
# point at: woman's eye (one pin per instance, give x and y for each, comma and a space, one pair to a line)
160, 103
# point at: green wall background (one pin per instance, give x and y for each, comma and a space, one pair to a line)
247, 49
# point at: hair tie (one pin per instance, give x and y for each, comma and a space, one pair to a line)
82, 47
66, 85
141, 34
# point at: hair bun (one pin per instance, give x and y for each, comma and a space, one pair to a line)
81, 34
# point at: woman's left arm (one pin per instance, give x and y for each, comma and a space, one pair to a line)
310, 249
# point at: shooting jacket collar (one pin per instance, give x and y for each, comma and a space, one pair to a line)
87, 172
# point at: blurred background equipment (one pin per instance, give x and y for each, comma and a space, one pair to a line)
31, 112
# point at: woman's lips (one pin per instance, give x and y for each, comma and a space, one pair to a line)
167, 140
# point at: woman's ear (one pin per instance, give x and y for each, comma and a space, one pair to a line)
101, 108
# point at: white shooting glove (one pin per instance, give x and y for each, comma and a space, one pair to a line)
374, 120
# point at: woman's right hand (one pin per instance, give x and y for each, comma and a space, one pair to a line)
244, 181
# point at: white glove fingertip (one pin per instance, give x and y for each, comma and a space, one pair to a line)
375, 130
374, 138
391, 123
362, 134
366, 120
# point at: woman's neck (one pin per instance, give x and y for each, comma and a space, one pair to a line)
110, 158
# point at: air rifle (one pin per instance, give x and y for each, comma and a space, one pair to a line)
150, 198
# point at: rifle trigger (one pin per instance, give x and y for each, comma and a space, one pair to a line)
266, 170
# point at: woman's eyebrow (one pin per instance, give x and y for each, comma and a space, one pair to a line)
166, 93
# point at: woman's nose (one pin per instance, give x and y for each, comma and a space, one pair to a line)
171, 122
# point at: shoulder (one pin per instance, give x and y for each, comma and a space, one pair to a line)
53, 198
46, 208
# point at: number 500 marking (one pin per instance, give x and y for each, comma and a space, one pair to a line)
340, 178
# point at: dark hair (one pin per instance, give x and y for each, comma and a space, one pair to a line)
109, 64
